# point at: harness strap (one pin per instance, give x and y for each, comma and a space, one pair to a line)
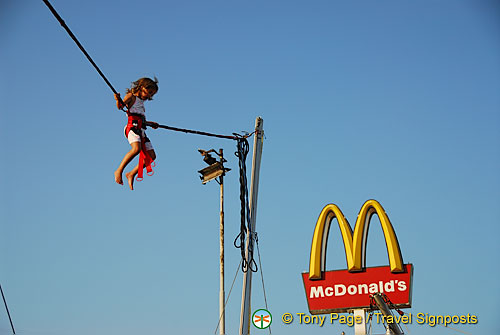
136, 123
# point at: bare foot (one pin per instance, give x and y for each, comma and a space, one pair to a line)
130, 177
118, 177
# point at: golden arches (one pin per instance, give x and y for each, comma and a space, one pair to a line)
354, 244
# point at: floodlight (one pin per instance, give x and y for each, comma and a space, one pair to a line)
215, 168
207, 158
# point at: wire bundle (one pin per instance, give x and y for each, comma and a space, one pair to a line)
245, 227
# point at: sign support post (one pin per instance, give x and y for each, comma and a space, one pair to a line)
360, 328
254, 189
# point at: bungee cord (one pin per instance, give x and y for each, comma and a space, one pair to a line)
197, 132
8, 312
63, 24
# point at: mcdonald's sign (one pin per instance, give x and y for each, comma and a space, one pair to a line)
343, 290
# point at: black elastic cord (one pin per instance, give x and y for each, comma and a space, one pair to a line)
197, 132
7, 309
63, 24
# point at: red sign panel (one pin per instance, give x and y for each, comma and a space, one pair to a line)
339, 290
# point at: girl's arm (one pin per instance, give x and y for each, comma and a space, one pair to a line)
127, 101
152, 124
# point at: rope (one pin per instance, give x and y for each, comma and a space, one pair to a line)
245, 227
228, 295
408, 329
369, 331
457, 330
262, 275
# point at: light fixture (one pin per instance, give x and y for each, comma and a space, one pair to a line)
215, 168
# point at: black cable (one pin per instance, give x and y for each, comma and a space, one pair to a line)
197, 132
7, 309
245, 227
63, 24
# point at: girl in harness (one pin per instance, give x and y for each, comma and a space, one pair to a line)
142, 90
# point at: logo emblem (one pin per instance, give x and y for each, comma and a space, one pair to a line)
262, 318
342, 290
354, 242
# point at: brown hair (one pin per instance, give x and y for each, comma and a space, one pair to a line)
147, 83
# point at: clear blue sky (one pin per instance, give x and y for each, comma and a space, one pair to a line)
392, 100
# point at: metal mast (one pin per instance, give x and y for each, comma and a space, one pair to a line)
392, 328
254, 189
222, 330
214, 170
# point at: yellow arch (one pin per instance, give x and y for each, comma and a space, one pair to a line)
354, 244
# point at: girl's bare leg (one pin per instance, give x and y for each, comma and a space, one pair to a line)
131, 175
136, 148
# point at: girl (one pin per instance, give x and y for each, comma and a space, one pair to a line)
142, 90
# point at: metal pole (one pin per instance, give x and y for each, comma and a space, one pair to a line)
254, 190
392, 328
222, 329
